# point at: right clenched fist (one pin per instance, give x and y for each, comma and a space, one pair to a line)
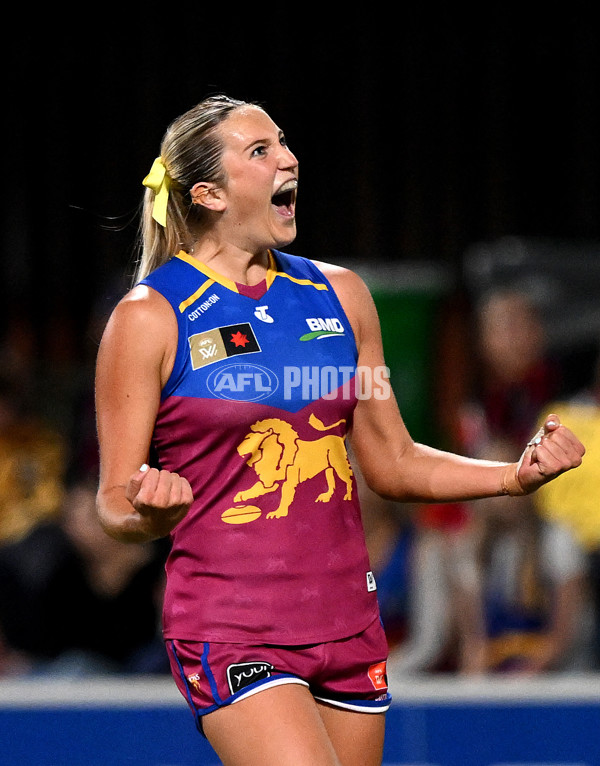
162, 498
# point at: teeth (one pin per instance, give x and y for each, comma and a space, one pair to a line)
290, 185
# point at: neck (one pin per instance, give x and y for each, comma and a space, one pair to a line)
231, 262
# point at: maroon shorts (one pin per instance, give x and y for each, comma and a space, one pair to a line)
348, 673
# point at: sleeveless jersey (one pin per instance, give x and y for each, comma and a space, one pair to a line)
255, 416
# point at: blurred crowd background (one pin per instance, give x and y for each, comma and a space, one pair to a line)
454, 162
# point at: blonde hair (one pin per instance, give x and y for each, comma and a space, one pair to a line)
191, 151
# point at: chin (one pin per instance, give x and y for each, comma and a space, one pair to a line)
285, 243
285, 238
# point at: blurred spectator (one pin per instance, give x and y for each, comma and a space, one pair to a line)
12, 662
495, 378
413, 587
514, 378
82, 434
533, 578
451, 523
32, 460
73, 600
575, 500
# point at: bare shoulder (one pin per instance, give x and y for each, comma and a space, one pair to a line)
142, 325
142, 302
348, 285
336, 273
142, 307
353, 293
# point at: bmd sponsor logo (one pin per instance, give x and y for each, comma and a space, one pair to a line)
243, 382
322, 328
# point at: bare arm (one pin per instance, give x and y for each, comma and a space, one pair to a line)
135, 503
396, 467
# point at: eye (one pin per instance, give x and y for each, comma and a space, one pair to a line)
259, 150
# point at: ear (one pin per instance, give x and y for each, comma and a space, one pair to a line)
208, 195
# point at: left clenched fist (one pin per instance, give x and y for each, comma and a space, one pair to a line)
552, 451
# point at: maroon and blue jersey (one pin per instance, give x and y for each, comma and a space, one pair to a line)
255, 415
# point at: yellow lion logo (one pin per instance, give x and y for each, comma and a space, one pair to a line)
282, 461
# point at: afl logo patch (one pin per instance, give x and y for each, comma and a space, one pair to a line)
245, 673
242, 382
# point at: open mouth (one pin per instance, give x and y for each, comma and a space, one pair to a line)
284, 200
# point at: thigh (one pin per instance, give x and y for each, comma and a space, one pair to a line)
278, 726
356, 737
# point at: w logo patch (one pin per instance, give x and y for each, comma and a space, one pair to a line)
222, 342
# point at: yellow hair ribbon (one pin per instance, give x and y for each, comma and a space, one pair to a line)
158, 180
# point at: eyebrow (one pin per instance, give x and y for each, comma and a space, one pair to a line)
280, 135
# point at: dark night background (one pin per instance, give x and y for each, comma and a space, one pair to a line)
419, 136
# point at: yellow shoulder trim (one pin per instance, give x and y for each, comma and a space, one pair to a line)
316, 285
194, 296
271, 270
208, 272
272, 273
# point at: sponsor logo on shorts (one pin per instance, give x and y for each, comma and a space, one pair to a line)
371, 584
195, 681
245, 673
378, 675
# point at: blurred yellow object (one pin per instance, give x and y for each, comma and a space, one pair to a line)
31, 478
514, 648
574, 497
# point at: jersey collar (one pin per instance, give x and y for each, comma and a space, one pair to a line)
219, 278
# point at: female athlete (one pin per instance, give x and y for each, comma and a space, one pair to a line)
230, 381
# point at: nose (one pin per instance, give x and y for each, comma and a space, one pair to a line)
287, 160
